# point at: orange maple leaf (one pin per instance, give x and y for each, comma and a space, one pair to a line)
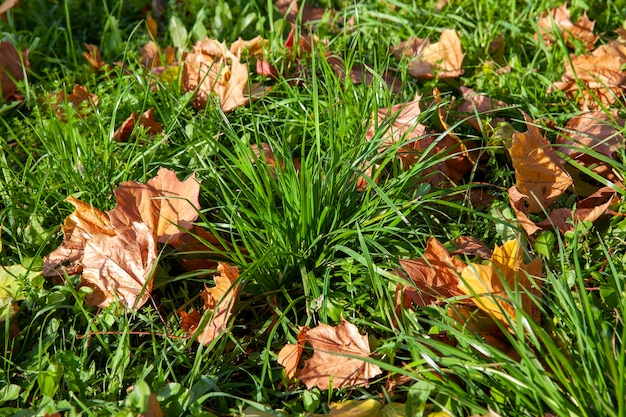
539, 172
152, 127
335, 360
289, 355
80, 98
168, 206
492, 285
220, 300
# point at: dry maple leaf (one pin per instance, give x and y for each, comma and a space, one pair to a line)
155, 59
152, 127
443, 59
289, 355
601, 73
479, 106
13, 68
518, 204
120, 267
167, 205
92, 55
434, 276
560, 17
491, 285
82, 224
290, 9
80, 98
597, 131
220, 299
539, 173
330, 364
212, 69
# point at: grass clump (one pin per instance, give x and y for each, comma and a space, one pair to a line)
302, 190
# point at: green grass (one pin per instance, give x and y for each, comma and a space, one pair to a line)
310, 246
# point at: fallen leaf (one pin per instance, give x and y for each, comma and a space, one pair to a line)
354, 408
189, 321
167, 205
80, 98
220, 299
120, 267
490, 285
152, 25
251, 48
92, 55
151, 126
539, 173
434, 276
289, 355
155, 59
13, 68
12, 288
84, 223
443, 59
597, 131
470, 246
475, 107
582, 30
329, 364
518, 204
600, 73
212, 69
291, 8
6, 6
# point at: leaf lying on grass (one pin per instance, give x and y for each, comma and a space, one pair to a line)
116, 251
13, 66
443, 59
581, 30
333, 362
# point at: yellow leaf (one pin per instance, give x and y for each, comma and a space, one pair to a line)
490, 285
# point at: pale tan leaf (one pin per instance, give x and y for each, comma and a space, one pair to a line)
220, 300
329, 363
443, 59
560, 17
120, 267
289, 355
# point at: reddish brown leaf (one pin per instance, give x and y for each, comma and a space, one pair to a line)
152, 127
539, 173
189, 321
560, 17
443, 59
290, 9
220, 300
13, 68
80, 98
477, 107
329, 361
434, 276
470, 246
120, 267
598, 131
601, 73
518, 203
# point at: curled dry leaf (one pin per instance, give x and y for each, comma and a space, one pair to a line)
152, 127
582, 30
434, 276
329, 364
470, 246
601, 73
120, 267
6, 6
443, 59
212, 69
539, 172
491, 285
289, 355
220, 299
13, 68
518, 204
597, 131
